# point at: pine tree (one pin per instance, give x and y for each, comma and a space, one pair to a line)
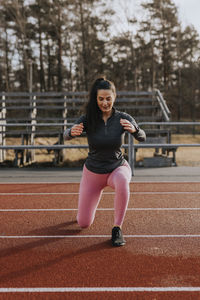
163, 25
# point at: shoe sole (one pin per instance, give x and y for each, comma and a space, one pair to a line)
118, 245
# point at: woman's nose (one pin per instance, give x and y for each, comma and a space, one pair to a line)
104, 102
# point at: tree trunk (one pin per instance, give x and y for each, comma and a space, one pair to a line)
7, 67
84, 52
42, 76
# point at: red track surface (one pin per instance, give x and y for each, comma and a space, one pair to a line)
55, 254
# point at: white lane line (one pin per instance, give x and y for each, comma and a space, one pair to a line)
105, 193
99, 236
31, 194
99, 289
77, 183
100, 209
41, 209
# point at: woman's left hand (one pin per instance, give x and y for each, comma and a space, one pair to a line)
127, 125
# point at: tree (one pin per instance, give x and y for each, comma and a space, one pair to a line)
17, 13
5, 46
188, 71
163, 24
37, 26
91, 32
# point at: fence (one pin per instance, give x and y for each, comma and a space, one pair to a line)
130, 146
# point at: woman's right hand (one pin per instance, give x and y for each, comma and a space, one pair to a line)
77, 129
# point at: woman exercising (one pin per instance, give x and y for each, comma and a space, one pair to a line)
105, 164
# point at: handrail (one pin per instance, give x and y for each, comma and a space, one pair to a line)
23, 94
63, 146
168, 123
71, 93
131, 146
163, 106
38, 124
139, 123
164, 102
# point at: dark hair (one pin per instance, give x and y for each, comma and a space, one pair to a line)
93, 113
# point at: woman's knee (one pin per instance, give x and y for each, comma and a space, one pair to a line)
84, 222
121, 181
120, 177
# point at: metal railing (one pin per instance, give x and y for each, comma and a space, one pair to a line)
163, 105
130, 146
170, 123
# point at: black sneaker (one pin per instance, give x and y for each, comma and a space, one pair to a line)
117, 237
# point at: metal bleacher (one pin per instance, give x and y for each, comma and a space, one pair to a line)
31, 115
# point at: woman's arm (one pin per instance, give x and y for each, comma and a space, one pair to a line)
140, 135
130, 125
76, 130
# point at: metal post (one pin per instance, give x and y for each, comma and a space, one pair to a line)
30, 76
33, 123
64, 115
131, 153
3, 128
33, 112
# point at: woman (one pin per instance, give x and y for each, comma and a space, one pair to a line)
105, 164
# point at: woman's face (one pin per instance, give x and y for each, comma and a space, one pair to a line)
105, 100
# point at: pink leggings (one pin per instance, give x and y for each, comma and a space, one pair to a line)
91, 188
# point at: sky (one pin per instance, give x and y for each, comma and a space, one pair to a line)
189, 12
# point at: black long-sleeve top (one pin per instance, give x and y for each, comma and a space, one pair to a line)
105, 153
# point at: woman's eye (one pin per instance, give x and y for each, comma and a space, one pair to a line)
107, 99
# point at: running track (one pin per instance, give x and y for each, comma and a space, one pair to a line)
44, 254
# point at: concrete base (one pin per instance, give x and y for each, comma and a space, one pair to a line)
157, 161
74, 175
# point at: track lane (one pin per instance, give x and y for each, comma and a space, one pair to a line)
73, 187
136, 222
104, 295
90, 262
71, 201
54, 263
